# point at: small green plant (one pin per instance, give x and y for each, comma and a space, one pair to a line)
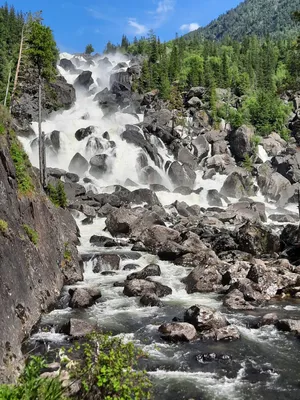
57, 194
255, 141
3, 226
2, 129
248, 163
31, 233
108, 370
31, 386
22, 165
67, 253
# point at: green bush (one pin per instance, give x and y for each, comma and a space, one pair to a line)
248, 163
108, 370
3, 226
32, 234
67, 253
57, 194
22, 164
30, 386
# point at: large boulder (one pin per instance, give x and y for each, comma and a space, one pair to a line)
136, 138
78, 165
202, 147
181, 175
157, 235
273, 144
205, 318
235, 300
120, 221
240, 142
204, 278
257, 239
160, 117
140, 196
178, 332
272, 184
67, 65
140, 287
186, 157
149, 270
84, 80
99, 165
83, 298
238, 184
104, 262
82, 133
107, 101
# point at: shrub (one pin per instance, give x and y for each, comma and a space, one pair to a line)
31, 386
107, 370
3, 226
248, 163
67, 253
57, 194
22, 164
32, 234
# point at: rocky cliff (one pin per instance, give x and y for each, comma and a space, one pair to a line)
38, 253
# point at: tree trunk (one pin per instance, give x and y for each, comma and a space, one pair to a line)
41, 138
7, 86
18, 68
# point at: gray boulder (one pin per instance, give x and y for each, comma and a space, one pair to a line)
238, 184
181, 175
205, 318
240, 142
78, 165
139, 287
178, 332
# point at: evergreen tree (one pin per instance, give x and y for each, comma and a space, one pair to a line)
89, 49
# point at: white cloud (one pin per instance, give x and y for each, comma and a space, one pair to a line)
139, 28
189, 27
165, 6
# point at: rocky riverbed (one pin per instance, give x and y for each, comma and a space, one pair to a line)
187, 252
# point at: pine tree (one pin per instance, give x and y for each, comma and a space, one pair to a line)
89, 49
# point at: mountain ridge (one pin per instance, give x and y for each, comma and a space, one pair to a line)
252, 17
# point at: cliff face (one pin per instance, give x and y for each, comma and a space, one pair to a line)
38, 254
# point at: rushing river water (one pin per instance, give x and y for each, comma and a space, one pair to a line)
264, 364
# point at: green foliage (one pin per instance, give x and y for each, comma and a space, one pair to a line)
89, 49
41, 49
22, 165
31, 233
67, 253
3, 226
108, 370
255, 17
57, 194
30, 386
248, 163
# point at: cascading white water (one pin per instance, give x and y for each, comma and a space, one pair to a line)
260, 366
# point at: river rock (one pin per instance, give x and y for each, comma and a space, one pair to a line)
139, 196
82, 133
240, 142
289, 325
178, 332
120, 221
84, 80
149, 270
181, 175
273, 144
210, 357
102, 241
150, 299
79, 328
78, 164
203, 279
214, 199
234, 300
139, 287
106, 262
157, 235
67, 65
257, 239
83, 298
238, 184
204, 318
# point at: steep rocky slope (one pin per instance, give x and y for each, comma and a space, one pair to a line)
38, 253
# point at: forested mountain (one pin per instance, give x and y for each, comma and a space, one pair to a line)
253, 17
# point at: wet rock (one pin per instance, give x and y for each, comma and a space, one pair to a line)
55, 139
102, 241
185, 157
160, 117
184, 190
227, 333
178, 332
149, 270
67, 65
149, 175
203, 279
269, 319
79, 328
78, 164
99, 165
84, 80
55, 172
202, 147
221, 163
238, 184
136, 138
130, 267
214, 199
83, 298
289, 325
71, 177
210, 357
139, 196
271, 184
283, 218
82, 133
87, 221
120, 222
273, 144
240, 142
157, 235
107, 102
158, 188
139, 287
234, 300
106, 262
220, 147
289, 235
88, 211
257, 239
204, 318
151, 299
181, 175
73, 190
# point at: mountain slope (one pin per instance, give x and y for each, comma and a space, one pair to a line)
253, 17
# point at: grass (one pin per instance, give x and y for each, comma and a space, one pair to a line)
22, 165
3, 226
32, 234
67, 253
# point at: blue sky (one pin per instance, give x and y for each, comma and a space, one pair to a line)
76, 23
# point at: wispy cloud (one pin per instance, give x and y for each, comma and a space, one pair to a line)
139, 29
189, 27
165, 6
96, 14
